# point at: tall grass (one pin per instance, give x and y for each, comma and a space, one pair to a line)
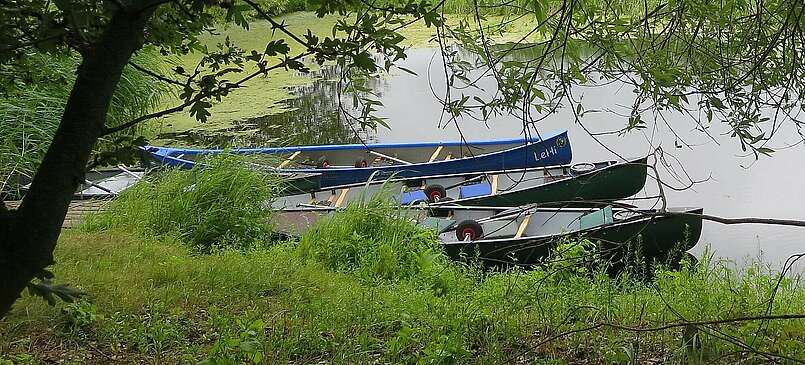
365, 238
217, 206
33, 93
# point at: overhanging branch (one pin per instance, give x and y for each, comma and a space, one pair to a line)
154, 74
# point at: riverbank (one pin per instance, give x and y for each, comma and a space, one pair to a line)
183, 286
155, 302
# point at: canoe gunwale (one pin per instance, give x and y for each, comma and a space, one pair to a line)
361, 147
640, 218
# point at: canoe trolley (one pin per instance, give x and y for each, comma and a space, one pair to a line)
469, 230
435, 192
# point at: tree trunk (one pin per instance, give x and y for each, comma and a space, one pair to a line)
31, 232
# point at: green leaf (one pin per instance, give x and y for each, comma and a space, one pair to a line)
407, 70
200, 110
46, 290
276, 47
538, 93
364, 61
382, 122
235, 14
765, 150
716, 103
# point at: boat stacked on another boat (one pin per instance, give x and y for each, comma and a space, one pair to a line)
357, 163
527, 236
563, 185
503, 202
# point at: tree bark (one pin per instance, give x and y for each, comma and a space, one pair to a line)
30, 233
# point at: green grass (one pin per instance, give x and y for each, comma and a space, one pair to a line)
375, 245
365, 287
219, 205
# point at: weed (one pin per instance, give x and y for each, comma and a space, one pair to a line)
80, 314
216, 206
372, 239
246, 348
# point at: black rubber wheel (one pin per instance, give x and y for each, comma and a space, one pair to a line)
469, 229
441, 212
435, 192
361, 163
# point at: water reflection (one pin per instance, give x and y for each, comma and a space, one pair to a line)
312, 117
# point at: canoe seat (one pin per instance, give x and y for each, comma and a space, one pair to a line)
473, 190
598, 218
412, 196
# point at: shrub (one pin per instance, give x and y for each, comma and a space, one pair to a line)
374, 239
221, 205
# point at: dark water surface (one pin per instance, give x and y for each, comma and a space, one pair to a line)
734, 185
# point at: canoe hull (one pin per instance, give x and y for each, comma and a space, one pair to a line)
656, 239
615, 182
552, 150
548, 186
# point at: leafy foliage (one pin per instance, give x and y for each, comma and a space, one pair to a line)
729, 62
219, 205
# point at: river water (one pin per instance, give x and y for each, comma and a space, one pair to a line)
733, 184
729, 183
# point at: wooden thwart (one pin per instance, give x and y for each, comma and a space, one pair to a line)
389, 157
494, 184
289, 159
341, 197
333, 195
435, 153
522, 227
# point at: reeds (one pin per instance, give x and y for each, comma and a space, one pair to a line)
33, 97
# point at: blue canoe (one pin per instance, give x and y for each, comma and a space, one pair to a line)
353, 163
